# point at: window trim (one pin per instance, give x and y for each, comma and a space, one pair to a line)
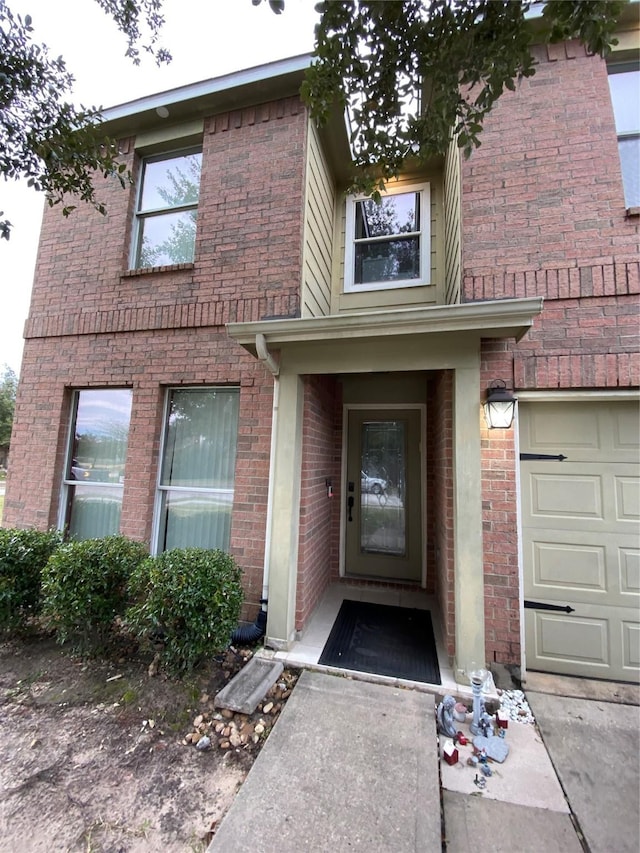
424, 235
140, 217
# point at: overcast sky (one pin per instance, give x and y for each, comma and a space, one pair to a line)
207, 39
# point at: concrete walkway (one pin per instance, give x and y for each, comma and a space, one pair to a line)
595, 749
350, 765
353, 766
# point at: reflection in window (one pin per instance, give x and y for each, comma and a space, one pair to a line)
388, 242
198, 469
167, 210
94, 473
624, 84
382, 488
387, 239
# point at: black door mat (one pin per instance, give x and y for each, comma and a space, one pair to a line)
384, 640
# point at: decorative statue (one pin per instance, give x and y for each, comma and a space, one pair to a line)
486, 725
444, 717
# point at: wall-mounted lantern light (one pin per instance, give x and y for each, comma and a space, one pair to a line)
499, 406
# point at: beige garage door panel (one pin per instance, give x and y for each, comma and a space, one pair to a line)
600, 643
590, 432
580, 496
580, 537
587, 567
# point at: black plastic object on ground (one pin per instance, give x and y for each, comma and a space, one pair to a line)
246, 634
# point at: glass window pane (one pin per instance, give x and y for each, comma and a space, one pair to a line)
168, 238
196, 519
199, 453
393, 260
200, 447
395, 214
630, 162
96, 462
95, 511
382, 488
100, 436
171, 182
625, 96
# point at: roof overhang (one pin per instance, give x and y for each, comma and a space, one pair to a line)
245, 88
503, 318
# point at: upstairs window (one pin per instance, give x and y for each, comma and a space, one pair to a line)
624, 83
387, 243
167, 210
94, 474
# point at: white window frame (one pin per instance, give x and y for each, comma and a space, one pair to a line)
139, 216
424, 235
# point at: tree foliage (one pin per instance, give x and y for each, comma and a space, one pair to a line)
57, 147
8, 386
371, 58
413, 74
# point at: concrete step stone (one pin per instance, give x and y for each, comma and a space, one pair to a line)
245, 690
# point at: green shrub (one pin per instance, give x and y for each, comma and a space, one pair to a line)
191, 598
23, 555
84, 587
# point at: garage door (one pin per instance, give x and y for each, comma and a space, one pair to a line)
580, 527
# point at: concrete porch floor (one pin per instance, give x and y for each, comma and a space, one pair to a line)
306, 650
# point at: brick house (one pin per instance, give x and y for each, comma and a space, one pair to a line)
242, 356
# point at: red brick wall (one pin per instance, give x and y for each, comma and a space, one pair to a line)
147, 362
544, 215
248, 249
431, 500
93, 323
499, 521
319, 514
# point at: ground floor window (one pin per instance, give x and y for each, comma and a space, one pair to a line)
195, 493
94, 472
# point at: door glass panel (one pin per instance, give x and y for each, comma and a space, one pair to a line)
382, 488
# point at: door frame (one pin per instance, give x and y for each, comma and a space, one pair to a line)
384, 407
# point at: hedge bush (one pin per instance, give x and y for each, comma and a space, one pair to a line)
84, 587
23, 555
191, 599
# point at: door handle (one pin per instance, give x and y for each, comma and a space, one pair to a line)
350, 502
